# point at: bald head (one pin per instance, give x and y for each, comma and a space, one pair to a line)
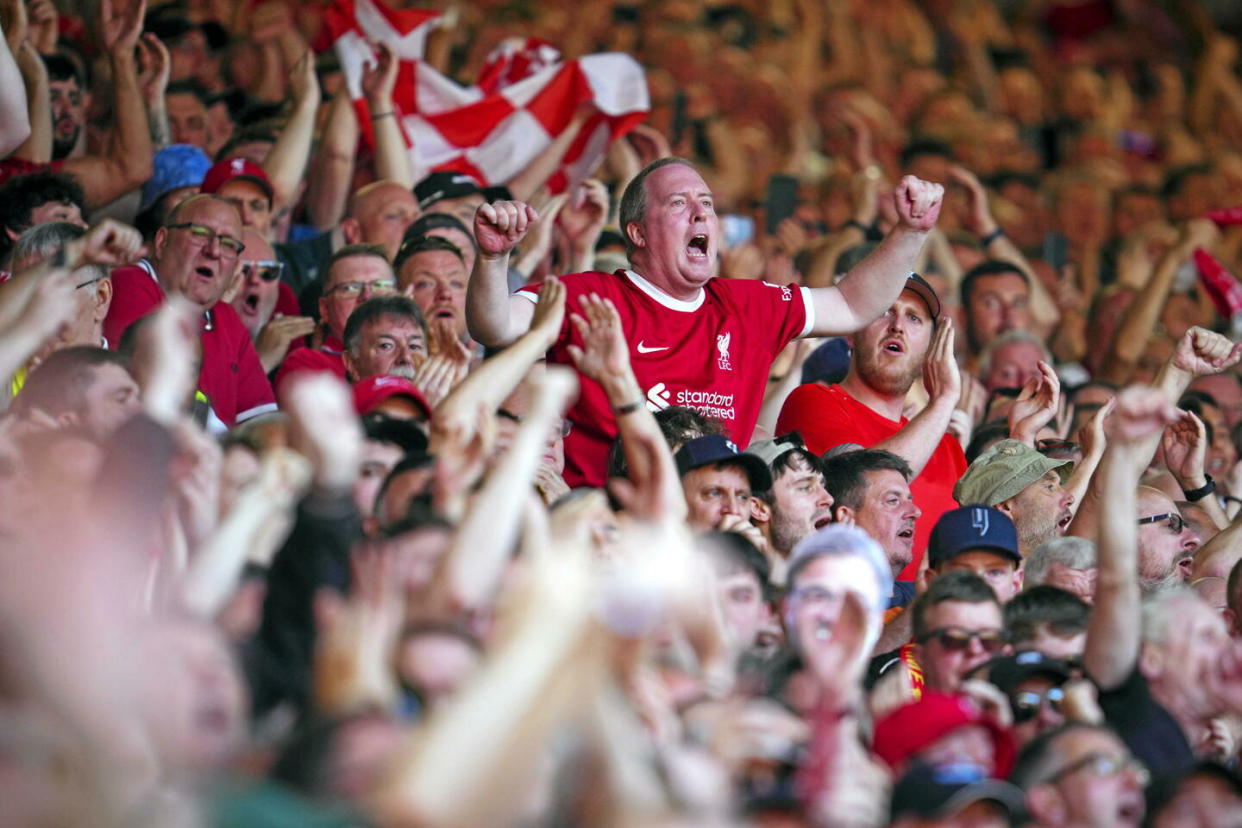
379, 213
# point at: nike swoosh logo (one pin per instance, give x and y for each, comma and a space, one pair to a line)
643, 349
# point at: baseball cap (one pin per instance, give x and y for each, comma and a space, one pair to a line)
916, 726
937, 791
1004, 470
769, 451
174, 167
972, 527
441, 185
917, 284
713, 448
432, 221
372, 391
1007, 672
1165, 788
225, 171
828, 363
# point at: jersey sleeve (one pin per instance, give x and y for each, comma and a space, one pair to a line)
782, 313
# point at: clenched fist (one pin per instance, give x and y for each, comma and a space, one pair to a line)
498, 227
918, 203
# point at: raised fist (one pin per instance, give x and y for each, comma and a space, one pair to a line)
498, 227
918, 203
1140, 413
1201, 352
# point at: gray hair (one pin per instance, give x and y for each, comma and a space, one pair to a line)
844, 541
1069, 551
43, 241
634, 199
1009, 338
1160, 610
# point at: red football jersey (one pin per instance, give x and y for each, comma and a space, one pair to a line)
827, 416
712, 354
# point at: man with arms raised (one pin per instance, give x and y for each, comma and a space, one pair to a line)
695, 340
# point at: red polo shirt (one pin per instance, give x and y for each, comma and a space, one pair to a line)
324, 359
232, 376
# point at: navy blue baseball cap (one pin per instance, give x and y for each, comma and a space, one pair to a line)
713, 449
972, 528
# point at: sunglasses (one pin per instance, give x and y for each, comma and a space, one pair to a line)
268, 271
1026, 704
1176, 524
956, 639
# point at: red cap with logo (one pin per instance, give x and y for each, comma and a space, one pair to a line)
225, 171
370, 392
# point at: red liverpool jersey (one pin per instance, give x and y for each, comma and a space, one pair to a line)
711, 353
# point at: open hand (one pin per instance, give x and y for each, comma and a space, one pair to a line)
604, 353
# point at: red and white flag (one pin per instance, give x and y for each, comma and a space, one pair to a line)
526, 96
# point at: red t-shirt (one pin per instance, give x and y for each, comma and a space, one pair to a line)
711, 354
326, 358
826, 416
232, 376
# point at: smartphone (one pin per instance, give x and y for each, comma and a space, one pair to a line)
781, 200
736, 229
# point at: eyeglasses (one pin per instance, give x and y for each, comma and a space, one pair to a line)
88, 282
351, 289
267, 270
1176, 524
201, 236
1026, 704
1051, 446
1104, 765
956, 639
815, 595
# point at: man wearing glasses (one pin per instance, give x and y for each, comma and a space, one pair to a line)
355, 273
1166, 543
197, 254
1081, 775
257, 301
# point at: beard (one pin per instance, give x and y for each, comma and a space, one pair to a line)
61, 147
885, 374
403, 371
1034, 530
786, 533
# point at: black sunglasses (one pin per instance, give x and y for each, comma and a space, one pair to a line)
956, 639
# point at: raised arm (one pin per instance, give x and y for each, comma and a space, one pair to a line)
333, 164
392, 157
875, 282
37, 148
285, 165
128, 165
494, 317
1114, 628
15, 126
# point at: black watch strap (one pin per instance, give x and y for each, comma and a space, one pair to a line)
1203, 491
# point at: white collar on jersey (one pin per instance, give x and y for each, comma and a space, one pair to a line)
683, 305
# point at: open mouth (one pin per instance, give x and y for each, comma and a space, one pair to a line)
697, 248
445, 313
907, 534
205, 272
251, 302
894, 346
1130, 813
1065, 521
823, 631
826, 520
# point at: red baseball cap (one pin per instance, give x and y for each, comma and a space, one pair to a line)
372, 391
915, 727
225, 171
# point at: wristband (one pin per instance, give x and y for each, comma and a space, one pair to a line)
991, 237
628, 408
375, 116
1203, 491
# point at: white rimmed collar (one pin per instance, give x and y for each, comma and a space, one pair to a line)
683, 305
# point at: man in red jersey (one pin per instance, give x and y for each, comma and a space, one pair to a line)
695, 340
907, 342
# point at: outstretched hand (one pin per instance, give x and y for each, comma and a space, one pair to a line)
941, 375
1185, 449
604, 352
1036, 405
499, 226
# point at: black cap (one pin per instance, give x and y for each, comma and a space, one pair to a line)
1164, 788
942, 790
431, 221
442, 185
1007, 672
712, 449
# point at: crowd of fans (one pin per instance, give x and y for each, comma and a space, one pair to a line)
859, 445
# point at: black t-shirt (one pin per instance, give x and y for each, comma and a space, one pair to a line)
1150, 731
